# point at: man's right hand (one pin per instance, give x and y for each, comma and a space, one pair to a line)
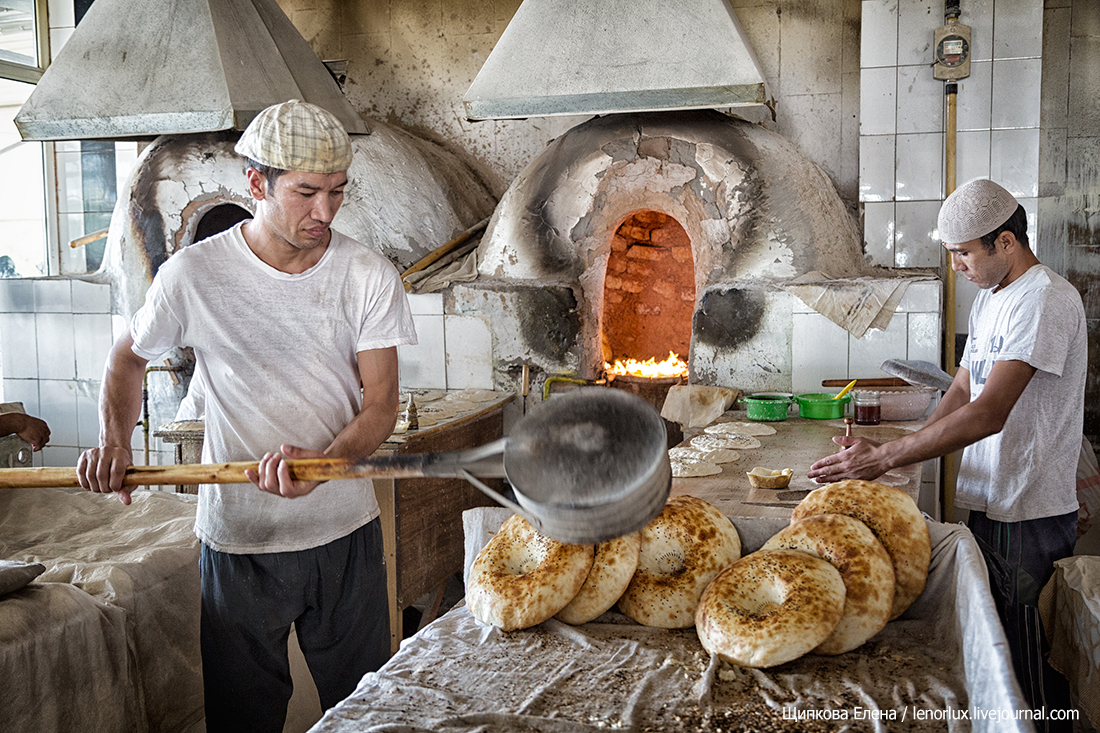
102, 469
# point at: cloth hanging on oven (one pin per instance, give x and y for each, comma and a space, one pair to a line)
854, 304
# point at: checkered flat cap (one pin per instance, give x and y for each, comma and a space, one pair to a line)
297, 136
974, 210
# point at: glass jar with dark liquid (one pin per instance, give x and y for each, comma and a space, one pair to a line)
868, 407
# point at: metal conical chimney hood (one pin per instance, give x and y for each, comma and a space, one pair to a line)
135, 68
563, 57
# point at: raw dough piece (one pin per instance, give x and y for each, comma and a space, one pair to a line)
721, 455
741, 428
681, 469
731, 441
685, 454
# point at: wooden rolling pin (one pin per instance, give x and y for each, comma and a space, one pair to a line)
481, 462
878, 382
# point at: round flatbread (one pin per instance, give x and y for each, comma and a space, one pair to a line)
741, 428
614, 566
681, 469
770, 607
865, 566
473, 395
521, 578
894, 518
730, 441
683, 548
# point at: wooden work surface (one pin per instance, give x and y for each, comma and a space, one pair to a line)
422, 517
797, 443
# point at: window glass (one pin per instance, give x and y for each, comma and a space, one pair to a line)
23, 249
18, 39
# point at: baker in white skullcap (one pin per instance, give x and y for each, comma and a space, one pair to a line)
974, 210
297, 136
1015, 408
295, 328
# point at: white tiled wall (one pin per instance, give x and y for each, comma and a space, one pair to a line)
820, 349
902, 115
54, 339
453, 352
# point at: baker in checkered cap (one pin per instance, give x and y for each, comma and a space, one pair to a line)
295, 329
1016, 406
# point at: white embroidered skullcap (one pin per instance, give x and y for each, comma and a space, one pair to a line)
974, 210
297, 136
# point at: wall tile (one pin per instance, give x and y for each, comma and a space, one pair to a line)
974, 101
91, 297
877, 101
1014, 160
879, 33
978, 14
920, 100
878, 232
61, 13
18, 346
16, 296
22, 390
971, 156
923, 340
922, 296
92, 339
919, 167
58, 456
427, 304
965, 292
819, 350
53, 296
1016, 85
469, 353
915, 241
57, 402
917, 20
1017, 28
424, 365
56, 350
799, 306
58, 37
876, 167
866, 354
87, 416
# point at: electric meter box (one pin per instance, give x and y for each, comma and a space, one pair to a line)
952, 51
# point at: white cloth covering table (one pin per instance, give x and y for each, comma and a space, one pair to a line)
942, 660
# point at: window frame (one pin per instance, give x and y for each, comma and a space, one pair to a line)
26, 72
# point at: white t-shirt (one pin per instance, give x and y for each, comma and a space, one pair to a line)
275, 355
1029, 469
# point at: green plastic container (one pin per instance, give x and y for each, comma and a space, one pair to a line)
819, 406
766, 407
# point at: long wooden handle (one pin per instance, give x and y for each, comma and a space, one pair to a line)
877, 382
305, 469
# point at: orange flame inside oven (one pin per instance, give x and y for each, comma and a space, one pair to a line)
673, 366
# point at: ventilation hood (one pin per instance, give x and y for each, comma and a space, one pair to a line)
563, 57
138, 68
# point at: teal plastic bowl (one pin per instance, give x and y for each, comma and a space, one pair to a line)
819, 406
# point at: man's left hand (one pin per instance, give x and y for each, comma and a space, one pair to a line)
859, 460
273, 475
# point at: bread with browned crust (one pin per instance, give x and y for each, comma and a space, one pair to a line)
521, 578
682, 549
865, 567
613, 567
895, 520
770, 607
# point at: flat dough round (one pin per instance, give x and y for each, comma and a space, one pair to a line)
686, 454
683, 548
741, 428
613, 567
730, 441
865, 566
441, 410
770, 607
458, 406
720, 455
521, 578
473, 395
694, 469
423, 396
894, 518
